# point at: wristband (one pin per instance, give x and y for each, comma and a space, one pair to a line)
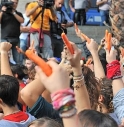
14, 13
63, 98
113, 70
68, 113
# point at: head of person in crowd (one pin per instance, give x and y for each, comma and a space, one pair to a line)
9, 89
105, 104
29, 64
31, 69
100, 91
19, 71
45, 122
92, 118
58, 4
15, 4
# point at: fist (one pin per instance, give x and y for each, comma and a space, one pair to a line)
5, 46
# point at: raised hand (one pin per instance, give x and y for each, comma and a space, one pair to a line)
92, 46
5, 46
110, 56
4, 8
79, 34
74, 58
58, 80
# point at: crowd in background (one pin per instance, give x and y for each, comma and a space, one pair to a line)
44, 83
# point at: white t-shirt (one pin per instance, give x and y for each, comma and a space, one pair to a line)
105, 6
80, 4
26, 19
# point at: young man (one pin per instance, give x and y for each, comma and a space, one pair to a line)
9, 90
10, 21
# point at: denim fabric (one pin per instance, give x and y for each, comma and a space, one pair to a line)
47, 51
104, 17
71, 15
69, 12
67, 8
43, 109
23, 46
118, 102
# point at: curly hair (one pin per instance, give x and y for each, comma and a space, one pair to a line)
92, 86
107, 93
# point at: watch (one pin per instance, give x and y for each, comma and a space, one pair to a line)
14, 13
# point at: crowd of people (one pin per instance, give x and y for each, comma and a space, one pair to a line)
53, 86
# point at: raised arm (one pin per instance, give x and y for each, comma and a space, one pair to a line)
5, 67
18, 17
60, 85
78, 33
98, 68
117, 82
81, 94
31, 9
114, 73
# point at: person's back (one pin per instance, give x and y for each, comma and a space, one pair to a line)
23, 123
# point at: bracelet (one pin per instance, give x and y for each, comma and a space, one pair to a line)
68, 114
65, 91
63, 98
14, 13
78, 77
77, 86
78, 80
57, 104
66, 107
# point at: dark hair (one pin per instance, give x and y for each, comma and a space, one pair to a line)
102, 57
107, 93
27, 4
92, 118
45, 121
9, 89
20, 70
92, 86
